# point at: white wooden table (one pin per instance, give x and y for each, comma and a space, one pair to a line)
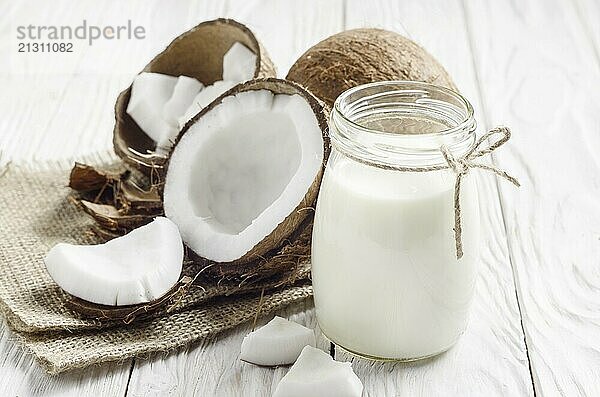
533, 65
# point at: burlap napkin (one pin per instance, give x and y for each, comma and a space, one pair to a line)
35, 215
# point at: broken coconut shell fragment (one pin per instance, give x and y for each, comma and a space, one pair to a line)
85, 178
361, 56
111, 218
245, 172
197, 53
118, 200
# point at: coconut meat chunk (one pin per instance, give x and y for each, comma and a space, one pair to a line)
316, 374
239, 63
279, 342
184, 93
149, 94
138, 267
203, 98
240, 170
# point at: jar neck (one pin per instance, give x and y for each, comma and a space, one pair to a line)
401, 123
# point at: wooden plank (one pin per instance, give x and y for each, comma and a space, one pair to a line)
20, 376
490, 359
588, 14
535, 61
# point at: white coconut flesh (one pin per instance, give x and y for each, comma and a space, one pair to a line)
149, 94
239, 63
138, 267
204, 98
279, 342
240, 170
184, 93
316, 374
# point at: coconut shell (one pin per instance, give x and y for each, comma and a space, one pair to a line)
361, 56
110, 218
85, 178
290, 262
261, 256
196, 53
134, 199
129, 313
113, 198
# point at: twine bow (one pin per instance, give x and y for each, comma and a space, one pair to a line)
461, 167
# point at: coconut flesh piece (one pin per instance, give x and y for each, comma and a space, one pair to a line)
239, 63
149, 94
184, 93
316, 374
203, 98
240, 170
138, 267
279, 342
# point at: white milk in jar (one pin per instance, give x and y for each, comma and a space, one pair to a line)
387, 282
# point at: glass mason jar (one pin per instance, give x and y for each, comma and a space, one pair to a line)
387, 281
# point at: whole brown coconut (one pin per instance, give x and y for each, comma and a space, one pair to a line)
361, 56
196, 53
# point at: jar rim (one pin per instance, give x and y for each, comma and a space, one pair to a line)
467, 121
434, 116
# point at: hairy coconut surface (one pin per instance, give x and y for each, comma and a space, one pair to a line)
269, 253
129, 313
197, 53
360, 56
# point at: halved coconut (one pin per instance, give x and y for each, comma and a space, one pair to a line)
279, 342
316, 374
246, 169
360, 56
136, 268
197, 53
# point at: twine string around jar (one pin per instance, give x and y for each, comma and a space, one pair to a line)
460, 166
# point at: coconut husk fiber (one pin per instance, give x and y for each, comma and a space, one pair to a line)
35, 214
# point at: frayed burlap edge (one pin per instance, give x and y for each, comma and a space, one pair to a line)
65, 352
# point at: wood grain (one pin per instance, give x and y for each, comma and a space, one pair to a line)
20, 376
541, 77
